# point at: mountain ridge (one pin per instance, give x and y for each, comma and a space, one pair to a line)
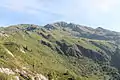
68, 23
60, 51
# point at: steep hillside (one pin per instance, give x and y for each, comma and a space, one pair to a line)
59, 51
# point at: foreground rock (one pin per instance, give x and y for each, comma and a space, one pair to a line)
18, 74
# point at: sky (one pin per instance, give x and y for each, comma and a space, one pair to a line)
92, 13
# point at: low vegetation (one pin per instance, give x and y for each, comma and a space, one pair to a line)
57, 53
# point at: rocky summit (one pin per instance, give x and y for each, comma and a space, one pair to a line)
59, 51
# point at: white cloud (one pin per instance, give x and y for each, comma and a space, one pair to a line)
29, 6
68, 8
95, 12
103, 5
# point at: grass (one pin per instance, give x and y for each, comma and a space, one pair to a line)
41, 59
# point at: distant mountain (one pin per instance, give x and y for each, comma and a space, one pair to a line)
59, 51
86, 32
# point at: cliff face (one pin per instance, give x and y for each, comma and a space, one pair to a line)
59, 51
79, 51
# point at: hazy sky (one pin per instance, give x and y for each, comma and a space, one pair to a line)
94, 13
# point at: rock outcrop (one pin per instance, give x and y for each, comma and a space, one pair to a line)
27, 75
78, 51
46, 44
50, 27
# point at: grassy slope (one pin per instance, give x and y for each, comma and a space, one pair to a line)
45, 60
